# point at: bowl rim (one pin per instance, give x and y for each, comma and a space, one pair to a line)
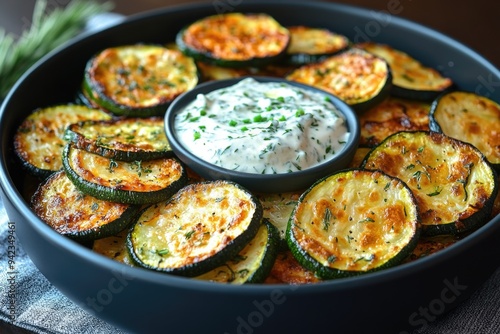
15, 198
345, 111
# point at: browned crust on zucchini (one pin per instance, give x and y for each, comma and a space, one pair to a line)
391, 116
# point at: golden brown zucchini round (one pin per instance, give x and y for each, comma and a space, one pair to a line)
39, 139
200, 228
235, 40
390, 116
135, 182
471, 118
78, 216
124, 139
410, 78
357, 77
454, 184
310, 44
353, 222
138, 80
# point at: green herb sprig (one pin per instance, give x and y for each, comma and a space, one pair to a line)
48, 30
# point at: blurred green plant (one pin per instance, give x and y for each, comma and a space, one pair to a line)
48, 30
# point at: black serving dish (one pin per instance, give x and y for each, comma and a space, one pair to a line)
403, 298
277, 183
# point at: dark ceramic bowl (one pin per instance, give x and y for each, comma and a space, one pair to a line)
403, 298
277, 183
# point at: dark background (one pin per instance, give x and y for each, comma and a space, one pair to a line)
474, 23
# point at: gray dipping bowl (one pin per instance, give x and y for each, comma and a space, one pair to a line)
277, 183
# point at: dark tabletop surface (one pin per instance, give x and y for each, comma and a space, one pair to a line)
473, 23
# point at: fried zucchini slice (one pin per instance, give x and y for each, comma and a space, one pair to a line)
310, 44
136, 182
235, 40
287, 270
124, 139
454, 184
114, 247
471, 118
278, 208
410, 78
252, 264
199, 229
390, 116
138, 80
353, 222
359, 78
39, 139
59, 204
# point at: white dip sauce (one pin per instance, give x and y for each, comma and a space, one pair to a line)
263, 128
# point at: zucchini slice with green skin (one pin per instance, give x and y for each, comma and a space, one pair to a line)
253, 264
311, 44
136, 182
78, 216
454, 184
278, 209
410, 78
199, 229
138, 80
235, 40
357, 77
390, 116
124, 139
353, 222
39, 139
470, 118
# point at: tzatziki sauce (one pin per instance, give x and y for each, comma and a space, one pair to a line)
262, 127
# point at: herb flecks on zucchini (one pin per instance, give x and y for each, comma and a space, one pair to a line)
353, 222
235, 40
78, 216
359, 78
471, 118
410, 78
138, 80
453, 182
310, 44
39, 139
390, 116
136, 182
252, 264
125, 139
200, 228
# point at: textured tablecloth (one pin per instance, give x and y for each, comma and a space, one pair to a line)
38, 307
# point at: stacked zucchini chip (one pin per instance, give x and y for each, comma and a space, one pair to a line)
137, 80
425, 174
